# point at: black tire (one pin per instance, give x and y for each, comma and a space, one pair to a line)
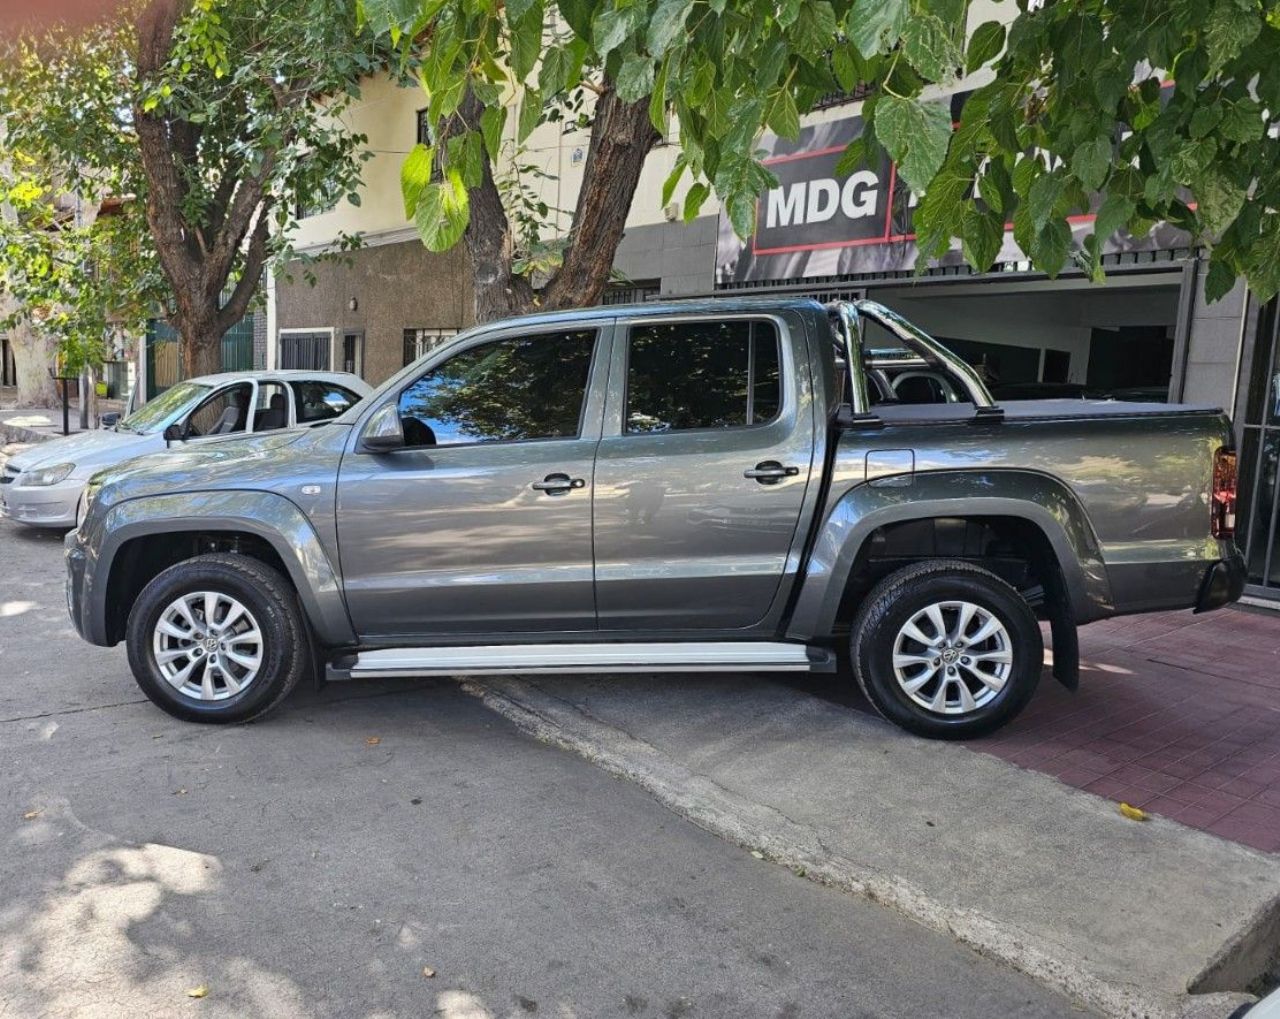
897, 600
268, 597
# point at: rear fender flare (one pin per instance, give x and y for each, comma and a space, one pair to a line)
1037, 498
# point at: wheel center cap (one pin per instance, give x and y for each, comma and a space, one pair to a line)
211, 643
950, 655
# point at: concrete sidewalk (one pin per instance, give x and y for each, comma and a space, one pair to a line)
36, 424
1126, 916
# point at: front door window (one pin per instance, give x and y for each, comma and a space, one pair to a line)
226, 412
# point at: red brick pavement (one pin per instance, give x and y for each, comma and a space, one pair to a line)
1176, 713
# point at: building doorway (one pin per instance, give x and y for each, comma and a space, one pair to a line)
353, 352
1259, 504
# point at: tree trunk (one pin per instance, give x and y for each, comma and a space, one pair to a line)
201, 351
34, 353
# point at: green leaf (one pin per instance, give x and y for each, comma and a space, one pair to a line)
1091, 161
1229, 29
578, 15
530, 113
415, 175
815, 28
1113, 215
982, 234
526, 40
693, 201
848, 66
1220, 281
553, 74
874, 26
1262, 267
667, 24
1043, 196
782, 116
492, 122
673, 178
635, 78
443, 213
1051, 247
1242, 121
1219, 199
915, 134
658, 99
985, 44
928, 47
610, 28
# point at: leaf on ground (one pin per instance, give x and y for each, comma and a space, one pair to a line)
428, 972
1133, 813
373, 741
757, 854
199, 992
31, 815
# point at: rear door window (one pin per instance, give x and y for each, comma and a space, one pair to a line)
683, 376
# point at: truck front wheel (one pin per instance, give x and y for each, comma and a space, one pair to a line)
217, 638
946, 649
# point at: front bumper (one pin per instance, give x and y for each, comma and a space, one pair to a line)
42, 505
1223, 583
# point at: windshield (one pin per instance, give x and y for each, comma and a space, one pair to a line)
158, 413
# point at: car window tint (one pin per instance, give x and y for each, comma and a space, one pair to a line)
687, 375
319, 401
224, 413
507, 391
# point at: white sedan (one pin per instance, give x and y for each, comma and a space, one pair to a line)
41, 486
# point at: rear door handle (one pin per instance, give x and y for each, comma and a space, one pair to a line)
770, 472
558, 484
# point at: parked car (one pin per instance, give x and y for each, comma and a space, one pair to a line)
661, 487
41, 486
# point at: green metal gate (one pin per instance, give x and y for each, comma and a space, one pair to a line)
164, 358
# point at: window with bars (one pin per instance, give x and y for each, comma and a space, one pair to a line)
419, 342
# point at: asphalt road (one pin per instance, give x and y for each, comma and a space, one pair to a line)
317, 862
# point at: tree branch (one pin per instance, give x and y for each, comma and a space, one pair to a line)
255, 257
621, 137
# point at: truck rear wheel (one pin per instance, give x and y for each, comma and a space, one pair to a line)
218, 638
946, 649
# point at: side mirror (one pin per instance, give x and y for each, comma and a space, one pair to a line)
384, 431
175, 433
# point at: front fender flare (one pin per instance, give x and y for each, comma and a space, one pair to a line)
1037, 498
267, 515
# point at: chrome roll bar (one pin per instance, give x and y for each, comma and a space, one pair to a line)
917, 340
844, 317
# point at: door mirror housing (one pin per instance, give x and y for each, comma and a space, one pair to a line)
176, 432
384, 431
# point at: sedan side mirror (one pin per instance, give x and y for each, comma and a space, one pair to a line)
175, 433
384, 431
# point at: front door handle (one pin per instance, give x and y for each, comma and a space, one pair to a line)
770, 472
558, 484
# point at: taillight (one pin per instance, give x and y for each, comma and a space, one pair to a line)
1223, 508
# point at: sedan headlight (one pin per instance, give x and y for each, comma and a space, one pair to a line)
47, 475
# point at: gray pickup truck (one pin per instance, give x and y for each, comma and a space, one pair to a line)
727, 485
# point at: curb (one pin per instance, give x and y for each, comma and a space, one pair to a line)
779, 839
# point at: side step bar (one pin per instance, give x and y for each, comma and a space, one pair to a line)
728, 656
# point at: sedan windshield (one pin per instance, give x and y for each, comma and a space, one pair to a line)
172, 403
